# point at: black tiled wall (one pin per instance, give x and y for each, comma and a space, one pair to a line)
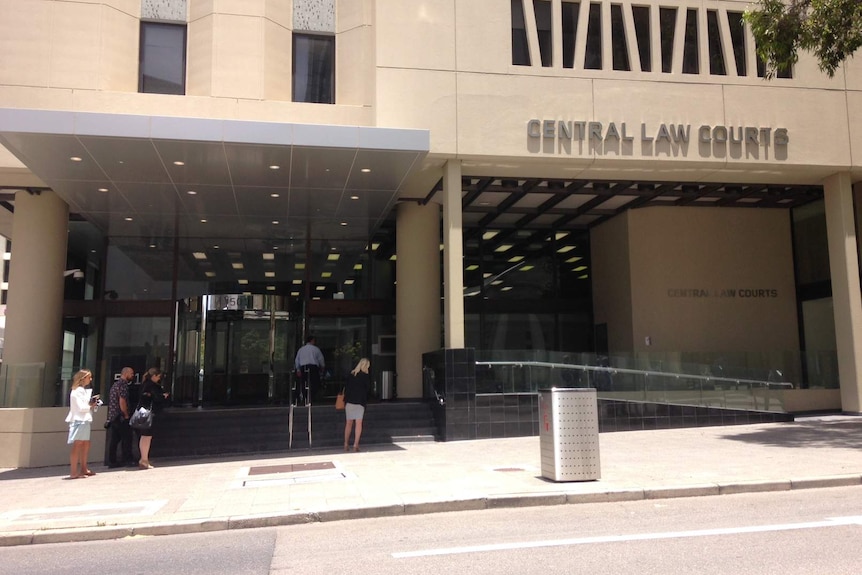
468, 415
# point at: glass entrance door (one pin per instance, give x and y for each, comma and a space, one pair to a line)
234, 350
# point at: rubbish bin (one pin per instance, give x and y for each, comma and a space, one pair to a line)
569, 434
387, 383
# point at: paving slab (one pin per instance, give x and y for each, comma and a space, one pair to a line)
302, 486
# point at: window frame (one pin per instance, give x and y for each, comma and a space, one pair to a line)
330, 39
141, 54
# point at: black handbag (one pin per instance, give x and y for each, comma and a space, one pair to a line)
142, 419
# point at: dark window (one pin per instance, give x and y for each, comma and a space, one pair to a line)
642, 32
667, 25
737, 37
542, 9
313, 69
716, 55
520, 48
570, 30
690, 55
619, 45
593, 58
162, 67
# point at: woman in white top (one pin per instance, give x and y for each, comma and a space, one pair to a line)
82, 402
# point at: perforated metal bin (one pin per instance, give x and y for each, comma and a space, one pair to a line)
569, 434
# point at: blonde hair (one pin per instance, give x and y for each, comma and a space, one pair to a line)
78, 378
362, 366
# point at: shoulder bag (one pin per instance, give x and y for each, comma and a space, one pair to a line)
142, 419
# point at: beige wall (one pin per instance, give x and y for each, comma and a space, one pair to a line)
36, 437
727, 255
612, 282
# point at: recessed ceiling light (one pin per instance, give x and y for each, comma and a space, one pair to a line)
583, 277
565, 249
525, 268
333, 257
326, 274
75, 159
320, 288
503, 248
192, 193
348, 282
275, 195
199, 255
179, 163
489, 234
128, 219
393, 258
242, 282
103, 189
294, 293
275, 167
365, 170
472, 267
237, 265
269, 274
203, 221
354, 197
299, 266
574, 259
268, 256
374, 246
496, 282
515, 259
270, 288
152, 245
343, 223
297, 282
579, 269
507, 288
275, 222
209, 274
215, 247
357, 267
560, 235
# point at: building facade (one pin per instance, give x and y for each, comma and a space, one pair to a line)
199, 184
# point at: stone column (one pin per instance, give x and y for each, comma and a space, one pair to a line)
417, 292
34, 311
846, 293
453, 256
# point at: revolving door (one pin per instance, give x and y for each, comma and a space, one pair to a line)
235, 350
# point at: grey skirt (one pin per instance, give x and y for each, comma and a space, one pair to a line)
354, 411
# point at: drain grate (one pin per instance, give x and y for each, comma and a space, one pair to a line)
509, 469
291, 468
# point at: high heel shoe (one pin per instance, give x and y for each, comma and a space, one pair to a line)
145, 465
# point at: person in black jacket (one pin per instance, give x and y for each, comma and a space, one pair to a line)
355, 399
153, 396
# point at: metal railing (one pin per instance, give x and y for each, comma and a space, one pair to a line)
506, 377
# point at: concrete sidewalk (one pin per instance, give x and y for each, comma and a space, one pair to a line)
39, 506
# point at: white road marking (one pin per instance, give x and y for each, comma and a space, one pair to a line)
93, 509
831, 522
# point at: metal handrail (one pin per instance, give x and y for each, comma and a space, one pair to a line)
613, 370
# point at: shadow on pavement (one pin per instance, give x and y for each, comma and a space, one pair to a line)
61, 470
832, 434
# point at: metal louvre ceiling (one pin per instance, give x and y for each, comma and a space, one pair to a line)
202, 178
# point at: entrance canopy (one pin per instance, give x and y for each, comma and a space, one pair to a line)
155, 176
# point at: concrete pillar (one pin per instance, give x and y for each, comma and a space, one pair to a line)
846, 293
34, 311
453, 256
417, 292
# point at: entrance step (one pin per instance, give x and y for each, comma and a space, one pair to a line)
183, 432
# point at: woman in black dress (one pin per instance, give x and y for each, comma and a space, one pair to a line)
355, 398
153, 396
